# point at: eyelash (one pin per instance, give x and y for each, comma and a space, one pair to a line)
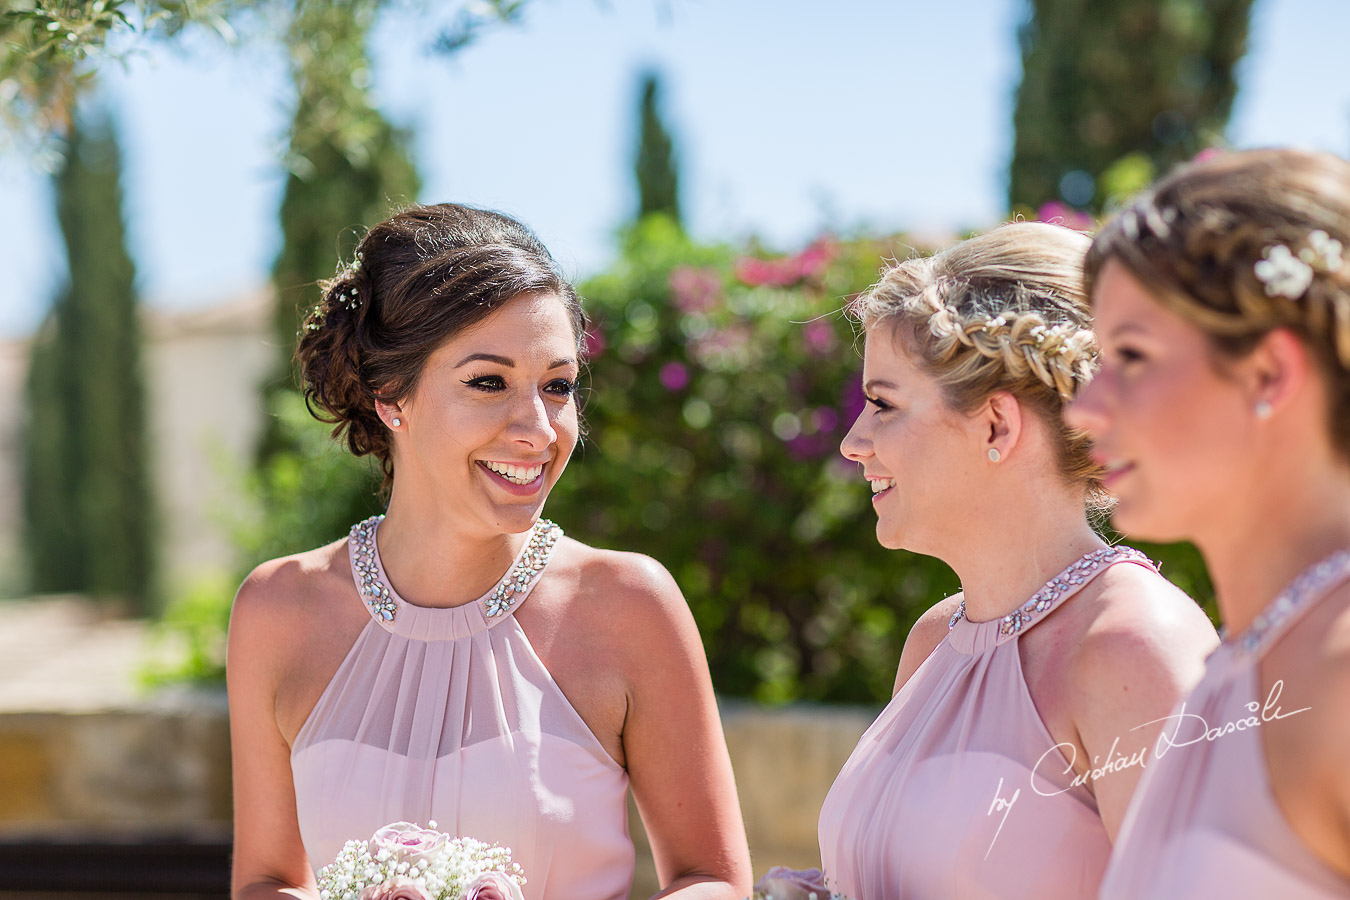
880, 404
491, 384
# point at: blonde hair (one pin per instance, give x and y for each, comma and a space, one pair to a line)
1003, 311
1197, 237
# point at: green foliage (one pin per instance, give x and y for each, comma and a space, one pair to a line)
300, 499
49, 51
87, 489
658, 182
1104, 80
721, 387
348, 168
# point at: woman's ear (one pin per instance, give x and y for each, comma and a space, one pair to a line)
1000, 422
391, 414
1275, 371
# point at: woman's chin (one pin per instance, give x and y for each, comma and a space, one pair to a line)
1140, 523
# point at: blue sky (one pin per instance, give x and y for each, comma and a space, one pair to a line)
790, 117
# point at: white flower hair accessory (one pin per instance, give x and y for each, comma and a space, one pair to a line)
1289, 275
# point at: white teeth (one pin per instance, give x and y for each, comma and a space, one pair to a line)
515, 474
881, 484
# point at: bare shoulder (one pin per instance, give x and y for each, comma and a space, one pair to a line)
1141, 622
282, 596
620, 583
928, 631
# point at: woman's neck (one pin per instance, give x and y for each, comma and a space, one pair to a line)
1017, 544
1287, 523
433, 557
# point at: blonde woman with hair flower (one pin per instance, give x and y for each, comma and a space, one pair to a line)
1222, 413
1003, 765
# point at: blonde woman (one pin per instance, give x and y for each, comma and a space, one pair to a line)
1003, 765
1222, 413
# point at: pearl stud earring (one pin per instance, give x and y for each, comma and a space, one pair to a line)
994, 455
1262, 409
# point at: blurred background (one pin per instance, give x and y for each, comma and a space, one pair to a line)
720, 178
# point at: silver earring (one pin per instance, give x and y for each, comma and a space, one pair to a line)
994, 455
1262, 409
396, 421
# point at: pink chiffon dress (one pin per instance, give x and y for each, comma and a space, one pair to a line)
958, 790
449, 715
1204, 821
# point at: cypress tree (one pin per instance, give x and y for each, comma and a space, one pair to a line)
87, 495
1147, 81
349, 168
658, 182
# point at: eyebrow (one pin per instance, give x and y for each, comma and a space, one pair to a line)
509, 363
874, 383
1126, 328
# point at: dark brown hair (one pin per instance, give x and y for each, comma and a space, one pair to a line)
1194, 240
419, 277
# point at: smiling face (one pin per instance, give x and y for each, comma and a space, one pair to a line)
917, 453
493, 419
1170, 426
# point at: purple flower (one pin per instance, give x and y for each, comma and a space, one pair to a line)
782, 883
674, 376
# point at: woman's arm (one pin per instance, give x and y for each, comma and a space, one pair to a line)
673, 743
269, 857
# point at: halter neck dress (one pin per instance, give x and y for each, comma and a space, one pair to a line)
958, 790
1204, 821
449, 715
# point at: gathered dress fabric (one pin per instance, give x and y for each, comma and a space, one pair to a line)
958, 790
1204, 821
448, 715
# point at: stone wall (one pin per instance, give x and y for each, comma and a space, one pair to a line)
162, 763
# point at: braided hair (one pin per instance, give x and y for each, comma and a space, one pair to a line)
1202, 241
1002, 311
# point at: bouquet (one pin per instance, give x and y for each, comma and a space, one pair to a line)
403, 861
782, 883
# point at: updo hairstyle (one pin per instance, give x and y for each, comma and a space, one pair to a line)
1002, 311
1243, 243
419, 278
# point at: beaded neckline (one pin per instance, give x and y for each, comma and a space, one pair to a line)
383, 602
1054, 590
1309, 585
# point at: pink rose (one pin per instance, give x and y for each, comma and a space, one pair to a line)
782, 883
493, 885
398, 888
411, 842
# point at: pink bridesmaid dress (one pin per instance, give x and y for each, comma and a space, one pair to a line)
1204, 821
958, 790
449, 715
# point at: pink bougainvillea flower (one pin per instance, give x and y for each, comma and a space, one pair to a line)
695, 290
818, 335
593, 342
398, 888
493, 886
1058, 213
674, 376
1207, 153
